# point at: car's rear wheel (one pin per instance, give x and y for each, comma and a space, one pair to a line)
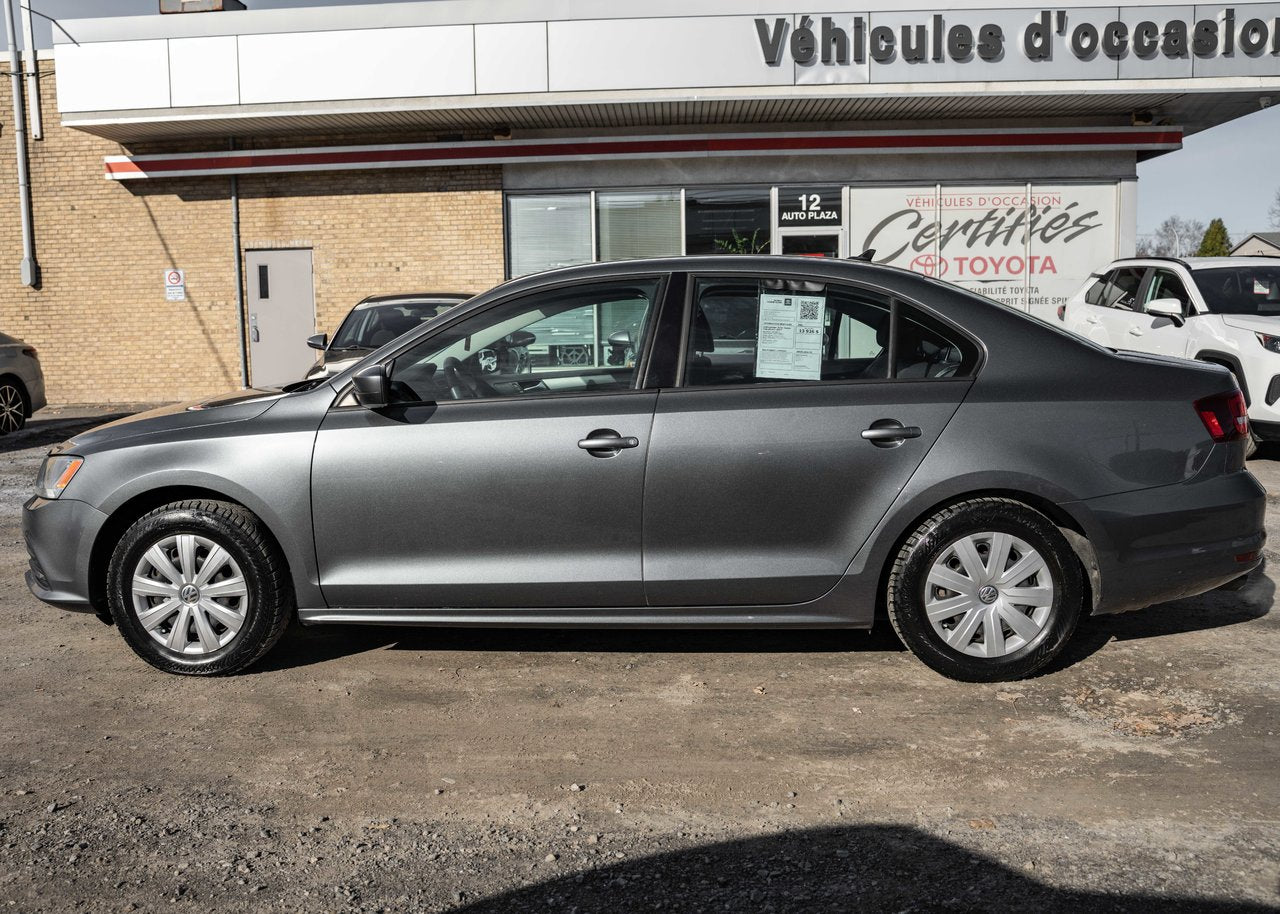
199, 588
13, 406
987, 590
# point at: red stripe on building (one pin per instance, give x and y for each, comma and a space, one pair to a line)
438, 154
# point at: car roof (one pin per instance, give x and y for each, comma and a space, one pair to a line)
728, 263
405, 297
1199, 263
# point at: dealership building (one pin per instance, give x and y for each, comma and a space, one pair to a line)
208, 189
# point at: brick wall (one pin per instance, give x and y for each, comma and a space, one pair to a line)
99, 318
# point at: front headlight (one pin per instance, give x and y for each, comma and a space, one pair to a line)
1270, 343
56, 474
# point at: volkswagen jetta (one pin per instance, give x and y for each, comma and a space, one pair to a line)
744, 441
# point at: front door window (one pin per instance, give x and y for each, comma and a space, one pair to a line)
575, 339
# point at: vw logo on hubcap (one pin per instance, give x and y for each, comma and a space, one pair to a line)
189, 594
986, 594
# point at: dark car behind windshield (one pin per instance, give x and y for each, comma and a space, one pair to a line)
376, 321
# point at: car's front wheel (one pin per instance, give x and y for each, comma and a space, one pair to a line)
199, 588
987, 590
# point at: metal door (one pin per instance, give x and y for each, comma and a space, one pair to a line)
282, 314
762, 495
481, 504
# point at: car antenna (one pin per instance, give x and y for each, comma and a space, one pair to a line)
868, 255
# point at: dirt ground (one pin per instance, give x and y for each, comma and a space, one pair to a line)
475, 770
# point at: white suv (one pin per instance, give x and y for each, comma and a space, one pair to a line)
1224, 310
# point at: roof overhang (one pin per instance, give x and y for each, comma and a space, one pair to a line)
595, 65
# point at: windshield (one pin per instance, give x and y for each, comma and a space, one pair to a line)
371, 326
1252, 289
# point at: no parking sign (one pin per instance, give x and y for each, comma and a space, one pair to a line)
175, 285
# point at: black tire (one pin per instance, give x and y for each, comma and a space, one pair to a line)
932, 540
13, 405
1252, 446
269, 591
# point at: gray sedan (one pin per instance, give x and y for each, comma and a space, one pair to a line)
21, 383
737, 441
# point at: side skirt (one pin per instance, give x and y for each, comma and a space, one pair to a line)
695, 617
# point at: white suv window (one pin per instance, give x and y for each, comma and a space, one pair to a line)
1252, 289
1122, 288
1166, 284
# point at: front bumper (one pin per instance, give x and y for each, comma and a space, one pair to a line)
60, 536
1264, 431
1170, 542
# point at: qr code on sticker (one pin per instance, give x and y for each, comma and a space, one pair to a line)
809, 311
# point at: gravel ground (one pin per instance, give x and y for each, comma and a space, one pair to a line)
473, 770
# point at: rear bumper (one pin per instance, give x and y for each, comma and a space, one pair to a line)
1170, 542
60, 536
34, 382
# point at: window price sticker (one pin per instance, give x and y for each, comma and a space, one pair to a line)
789, 336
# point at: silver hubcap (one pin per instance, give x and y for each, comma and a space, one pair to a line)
989, 594
189, 594
10, 409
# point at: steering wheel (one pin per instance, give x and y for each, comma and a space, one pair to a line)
462, 385
459, 388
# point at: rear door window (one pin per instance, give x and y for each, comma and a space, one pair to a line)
1122, 288
766, 330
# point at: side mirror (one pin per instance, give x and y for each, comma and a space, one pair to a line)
621, 339
319, 341
520, 339
370, 386
1167, 307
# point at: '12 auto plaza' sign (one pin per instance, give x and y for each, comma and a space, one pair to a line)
1029, 248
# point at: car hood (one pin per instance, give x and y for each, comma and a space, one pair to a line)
232, 407
1257, 323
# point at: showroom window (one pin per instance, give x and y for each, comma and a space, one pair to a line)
545, 231
733, 221
634, 225
548, 231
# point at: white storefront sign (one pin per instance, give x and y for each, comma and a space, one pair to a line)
1029, 247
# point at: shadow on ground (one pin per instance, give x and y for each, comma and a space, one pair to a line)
307, 645
848, 869
1216, 609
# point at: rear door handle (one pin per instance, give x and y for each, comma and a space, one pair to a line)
1134, 331
1091, 320
889, 433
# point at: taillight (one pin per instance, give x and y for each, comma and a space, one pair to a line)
1062, 313
1224, 416
29, 350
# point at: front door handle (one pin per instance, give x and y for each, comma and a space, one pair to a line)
889, 433
1134, 331
605, 442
